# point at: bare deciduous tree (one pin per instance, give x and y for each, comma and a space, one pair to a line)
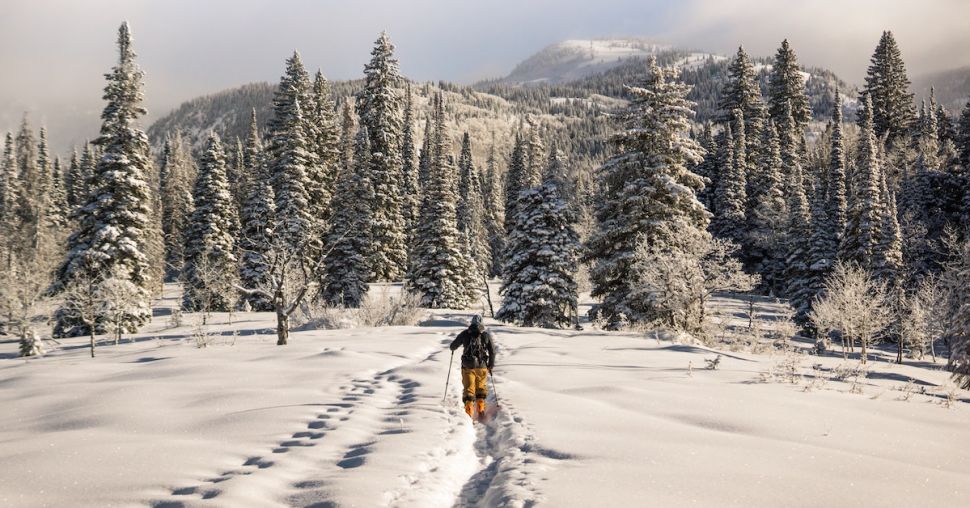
853, 304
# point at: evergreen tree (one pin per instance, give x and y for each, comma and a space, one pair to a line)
787, 86
799, 232
535, 155
741, 91
112, 226
89, 162
58, 210
887, 87
346, 270
43, 180
27, 172
963, 140
288, 160
708, 167
439, 268
74, 182
325, 150
348, 131
889, 252
864, 214
256, 216
10, 195
730, 196
177, 205
644, 190
410, 186
769, 216
470, 213
380, 105
538, 285
494, 216
210, 246
424, 158
836, 206
516, 179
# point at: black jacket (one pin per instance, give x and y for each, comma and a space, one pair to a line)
468, 359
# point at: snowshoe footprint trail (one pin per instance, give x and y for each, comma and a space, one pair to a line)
360, 406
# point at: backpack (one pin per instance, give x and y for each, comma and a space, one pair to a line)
476, 348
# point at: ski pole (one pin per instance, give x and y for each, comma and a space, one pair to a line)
494, 391
448, 379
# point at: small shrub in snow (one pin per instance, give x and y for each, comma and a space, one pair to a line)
30, 343
175, 318
712, 364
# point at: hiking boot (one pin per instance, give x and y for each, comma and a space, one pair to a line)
470, 409
481, 407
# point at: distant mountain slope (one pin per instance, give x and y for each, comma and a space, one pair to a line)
576, 58
952, 88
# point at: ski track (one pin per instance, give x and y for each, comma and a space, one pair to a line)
511, 463
492, 464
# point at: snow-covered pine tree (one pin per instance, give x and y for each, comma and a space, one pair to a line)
346, 270
380, 107
325, 149
176, 190
424, 158
534, 153
471, 214
27, 172
89, 162
58, 210
209, 273
256, 218
963, 139
741, 91
730, 196
438, 269
707, 168
112, 226
888, 260
769, 217
643, 188
287, 160
9, 194
410, 187
821, 244
799, 233
494, 213
42, 182
787, 86
865, 210
516, 177
836, 206
348, 132
74, 182
887, 87
538, 284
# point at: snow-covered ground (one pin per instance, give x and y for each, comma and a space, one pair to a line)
356, 418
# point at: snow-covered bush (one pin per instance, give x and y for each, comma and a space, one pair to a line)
382, 309
30, 343
854, 305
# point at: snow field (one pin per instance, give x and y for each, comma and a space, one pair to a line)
355, 418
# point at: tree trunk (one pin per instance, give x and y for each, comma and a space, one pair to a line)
92, 340
282, 327
488, 295
899, 350
863, 341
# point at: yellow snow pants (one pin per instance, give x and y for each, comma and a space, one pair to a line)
475, 383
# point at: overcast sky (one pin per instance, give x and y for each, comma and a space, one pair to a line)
53, 53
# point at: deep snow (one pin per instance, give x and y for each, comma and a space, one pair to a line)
355, 418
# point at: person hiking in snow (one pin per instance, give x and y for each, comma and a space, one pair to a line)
477, 361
